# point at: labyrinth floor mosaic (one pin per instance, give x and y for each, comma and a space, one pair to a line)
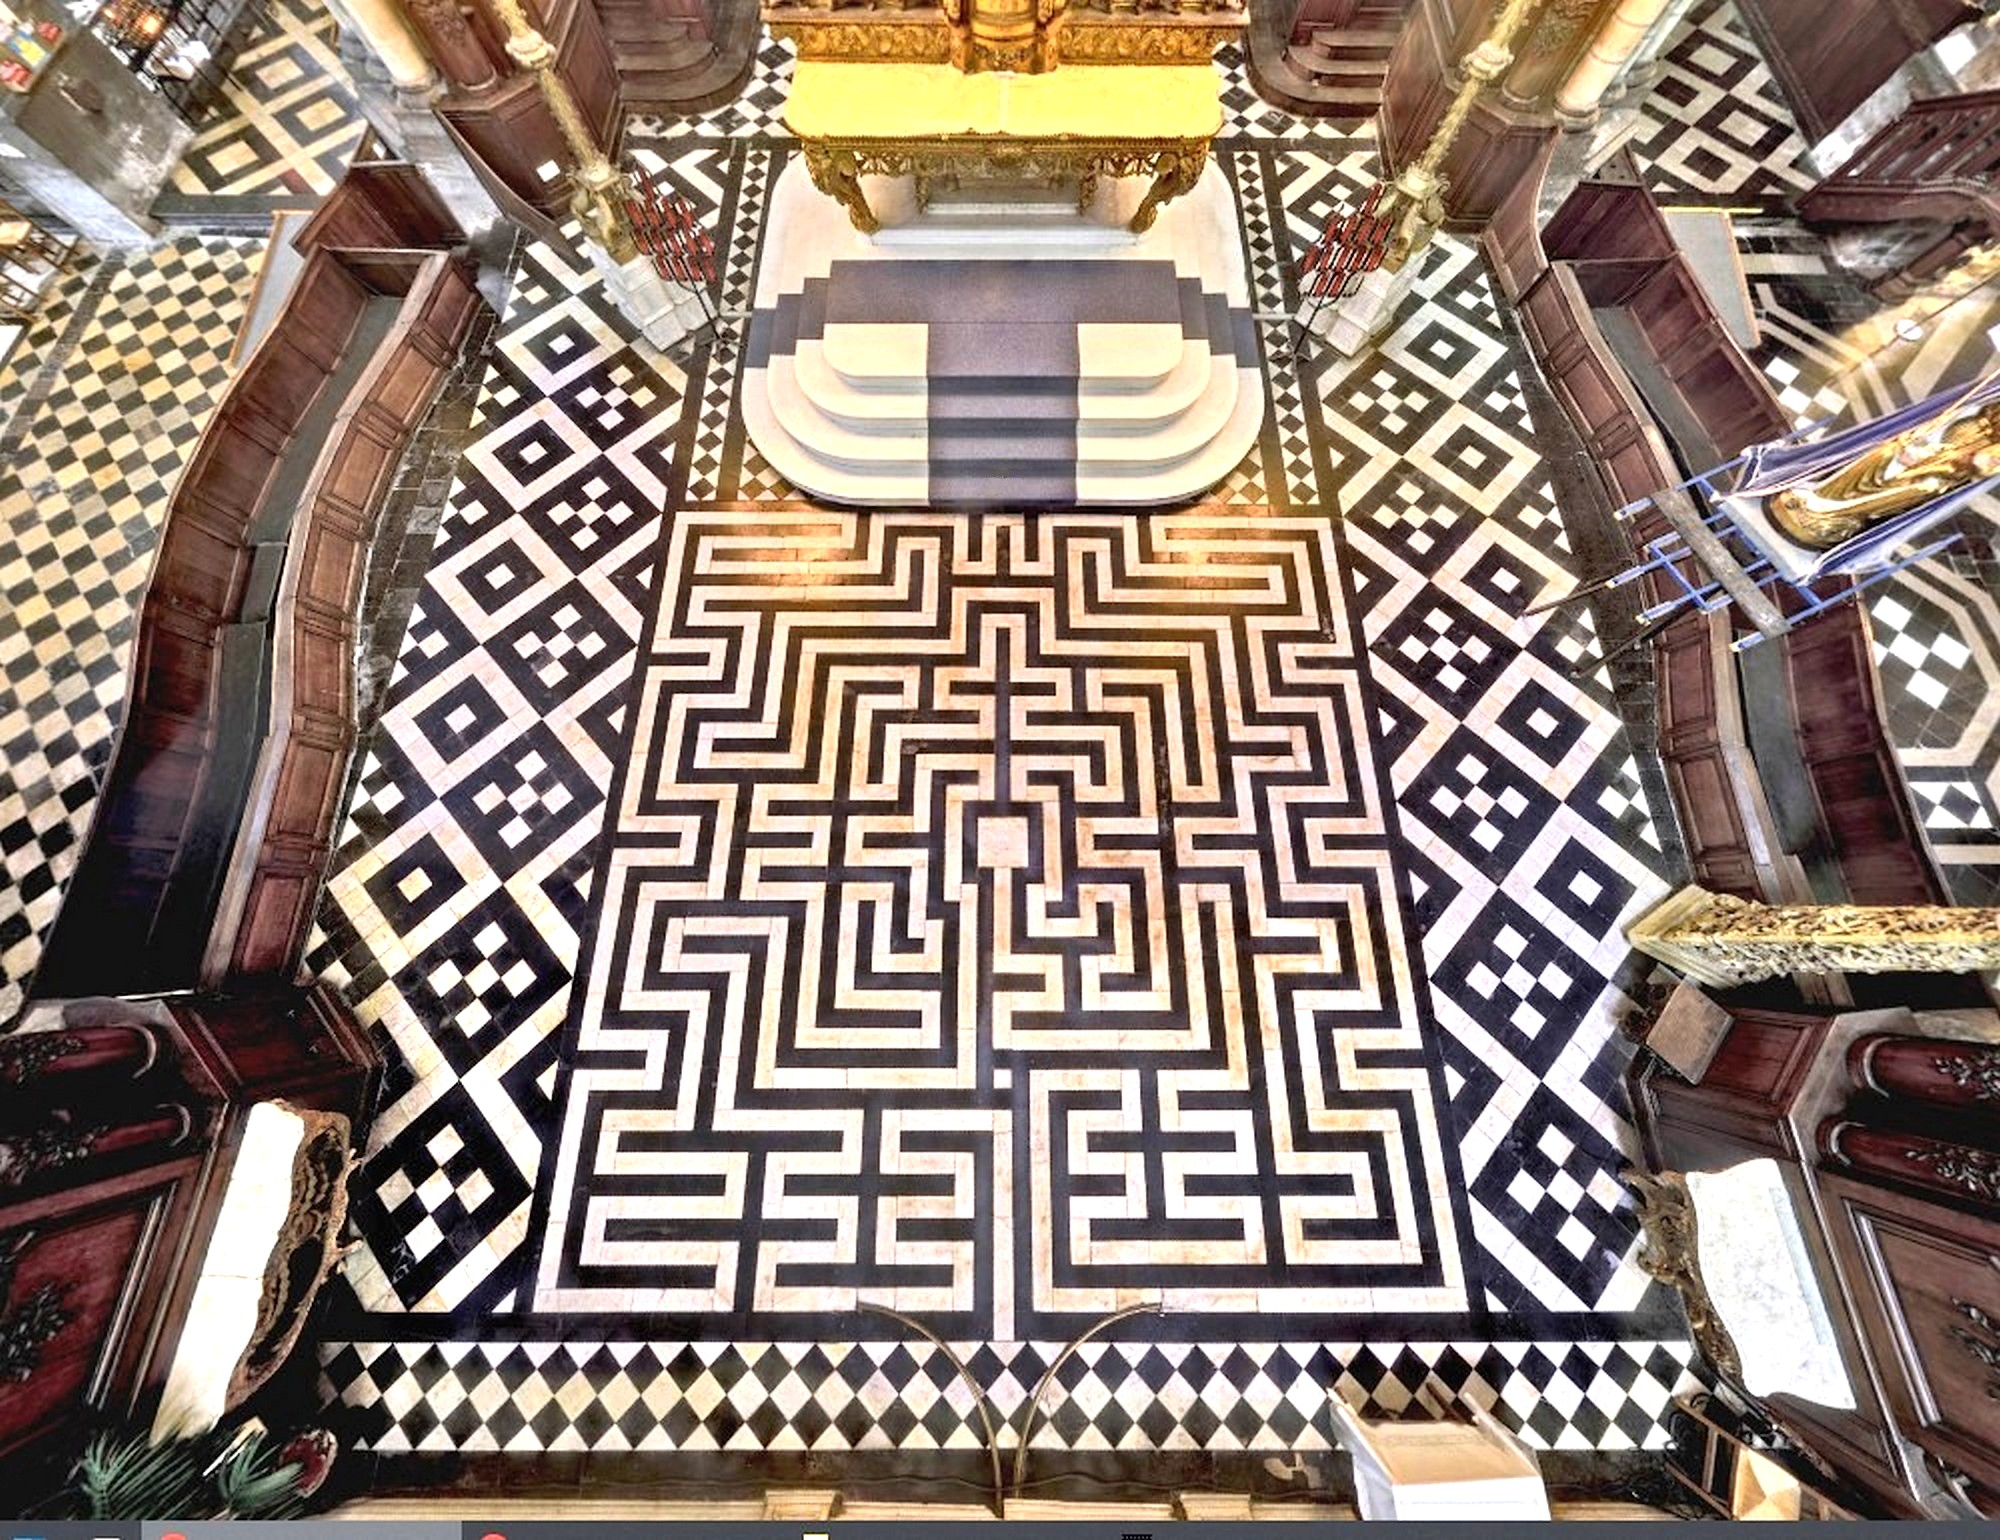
779, 914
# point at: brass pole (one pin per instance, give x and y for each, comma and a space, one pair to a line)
597, 190
1417, 196
979, 1401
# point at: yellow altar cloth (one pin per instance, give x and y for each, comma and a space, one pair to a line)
1088, 121
838, 100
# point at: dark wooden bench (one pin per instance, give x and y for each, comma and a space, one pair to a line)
1607, 259
218, 810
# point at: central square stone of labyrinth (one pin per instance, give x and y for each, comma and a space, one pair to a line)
999, 923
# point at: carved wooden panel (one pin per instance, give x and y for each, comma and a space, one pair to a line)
167, 747
1864, 805
508, 130
61, 1284
288, 831
99, 1263
105, 1252
1737, 1113
1831, 56
380, 204
1929, 1276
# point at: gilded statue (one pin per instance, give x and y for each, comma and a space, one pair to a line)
1017, 35
1950, 452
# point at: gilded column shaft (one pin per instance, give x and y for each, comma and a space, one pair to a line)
598, 199
1417, 196
1720, 940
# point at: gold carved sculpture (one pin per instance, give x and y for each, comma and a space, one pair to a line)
1027, 36
598, 191
837, 166
1017, 35
937, 126
1671, 1254
1721, 941
1933, 459
1416, 198
867, 99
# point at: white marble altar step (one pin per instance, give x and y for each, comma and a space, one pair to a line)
1003, 424
883, 357
959, 226
972, 379
909, 483
872, 410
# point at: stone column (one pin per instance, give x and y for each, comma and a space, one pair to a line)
1645, 66
1720, 940
1611, 52
382, 25
398, 104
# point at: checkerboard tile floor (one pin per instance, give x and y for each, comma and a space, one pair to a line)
284, 127
82, 492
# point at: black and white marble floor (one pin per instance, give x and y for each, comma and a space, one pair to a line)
102, 403
1714, 126
779, 912
282, 129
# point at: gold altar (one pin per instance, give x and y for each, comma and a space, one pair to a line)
929, 121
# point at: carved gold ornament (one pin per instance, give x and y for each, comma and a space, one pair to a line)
1416, 198
1025, 36
1721, 940
1671, 1254
837, 165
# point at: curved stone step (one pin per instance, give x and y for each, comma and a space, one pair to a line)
823, 437
892, 483
908, 484
990, 397
889, 411
831, 454
1202, 417
886, 358
1190, 477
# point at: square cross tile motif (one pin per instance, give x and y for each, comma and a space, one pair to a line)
999, 918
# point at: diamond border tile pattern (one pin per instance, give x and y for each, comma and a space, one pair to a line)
1503, 770
592, 1395
453, 911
